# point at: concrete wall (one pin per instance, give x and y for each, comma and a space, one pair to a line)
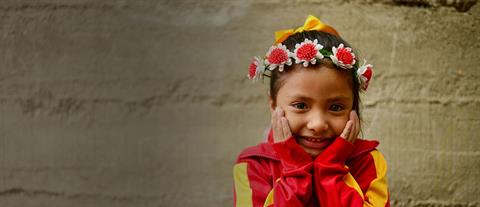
146, 103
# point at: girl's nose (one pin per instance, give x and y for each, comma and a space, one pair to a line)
317, 123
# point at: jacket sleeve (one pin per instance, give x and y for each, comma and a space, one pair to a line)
363, 183
254, 184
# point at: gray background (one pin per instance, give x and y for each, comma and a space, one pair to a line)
146, 103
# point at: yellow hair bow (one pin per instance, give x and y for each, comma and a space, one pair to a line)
311, 23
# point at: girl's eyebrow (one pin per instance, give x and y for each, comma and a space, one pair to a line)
331, 99
339, 98
300, 96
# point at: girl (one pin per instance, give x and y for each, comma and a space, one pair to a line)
313, 156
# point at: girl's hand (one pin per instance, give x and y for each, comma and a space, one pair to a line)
352, 128
280, 127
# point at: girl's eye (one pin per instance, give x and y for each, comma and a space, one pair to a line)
300, 106
336, 107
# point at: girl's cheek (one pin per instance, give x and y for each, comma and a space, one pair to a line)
295, 122
339, 125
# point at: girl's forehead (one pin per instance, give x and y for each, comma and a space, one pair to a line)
321, 82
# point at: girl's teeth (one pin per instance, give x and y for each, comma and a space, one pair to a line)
313, 139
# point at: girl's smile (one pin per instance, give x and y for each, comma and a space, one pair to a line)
314, 143
317, 102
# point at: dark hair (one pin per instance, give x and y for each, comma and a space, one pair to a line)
277, 79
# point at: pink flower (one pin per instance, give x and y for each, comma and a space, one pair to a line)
256, 69
343, 57
278, 55
365, 73
307, 52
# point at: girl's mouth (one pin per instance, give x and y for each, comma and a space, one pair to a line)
314, 143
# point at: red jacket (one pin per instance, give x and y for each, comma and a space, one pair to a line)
283, 174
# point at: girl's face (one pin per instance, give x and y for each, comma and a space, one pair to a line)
317, 103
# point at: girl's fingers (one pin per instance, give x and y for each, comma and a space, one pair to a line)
280, 126
274, 125
346, 130
283, 121
352, 132
281, 136
286, 128
354, 127
358, 128
278, 134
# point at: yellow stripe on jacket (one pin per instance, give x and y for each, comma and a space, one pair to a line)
377, 192
243, 191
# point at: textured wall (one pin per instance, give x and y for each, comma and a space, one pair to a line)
146, 103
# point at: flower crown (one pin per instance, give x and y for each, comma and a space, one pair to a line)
309, 52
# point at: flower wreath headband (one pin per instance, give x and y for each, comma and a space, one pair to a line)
308, 52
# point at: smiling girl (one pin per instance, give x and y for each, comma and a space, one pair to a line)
313, 156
